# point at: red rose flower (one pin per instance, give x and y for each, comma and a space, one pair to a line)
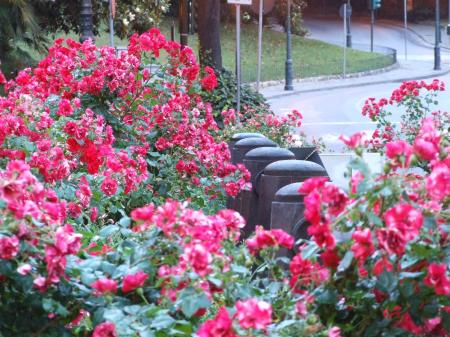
104, 285
272, 238
437, 279
9, 247
253, 314
2, 78
220, 326
209, 82
134, 281
106, 329
400, 152
109, 186
363, 246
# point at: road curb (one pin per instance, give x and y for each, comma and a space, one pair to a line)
426, 43
315, 79
353, 85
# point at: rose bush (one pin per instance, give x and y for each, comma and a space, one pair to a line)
105, 162
412, 102
113, 132
163, 271
93, 147
384, 247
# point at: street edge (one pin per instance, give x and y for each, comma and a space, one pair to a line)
363, 84
425, 42
315, 79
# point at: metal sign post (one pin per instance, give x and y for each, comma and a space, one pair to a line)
345, 12
112, 13
238, 58
238, 4
349, 25
345, 40
405, 15
437, 47
289, 64
372, 24
448, 25
260, 31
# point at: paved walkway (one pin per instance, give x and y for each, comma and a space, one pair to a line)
424, 32
420, 64
333, 107
405, 71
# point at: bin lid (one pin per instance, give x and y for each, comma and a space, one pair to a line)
269, 153
254, 142
295, 168
290, 193
243, 135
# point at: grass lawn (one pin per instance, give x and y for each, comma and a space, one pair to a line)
310, 57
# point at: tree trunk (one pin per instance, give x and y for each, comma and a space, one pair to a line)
209, 33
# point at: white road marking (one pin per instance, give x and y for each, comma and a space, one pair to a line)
339, 123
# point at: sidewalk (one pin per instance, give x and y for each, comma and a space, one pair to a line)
405, 71
423, 32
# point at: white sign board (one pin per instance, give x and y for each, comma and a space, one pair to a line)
240, 2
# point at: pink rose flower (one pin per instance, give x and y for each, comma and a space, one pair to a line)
254, 314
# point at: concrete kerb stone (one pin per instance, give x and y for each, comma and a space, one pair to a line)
268, 84
434, 74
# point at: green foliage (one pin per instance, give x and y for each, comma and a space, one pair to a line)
224, 97
19, 27
296, 15
131, 15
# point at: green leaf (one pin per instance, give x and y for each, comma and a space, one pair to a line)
54, 307
113, 315
446, 321
345, 262
431, 310
407, 262
386, 282
108, 231
108, 268
360, 165
445, 228
162, 321
146, 333
409, 275
125, 222
239, 269
374, 219
328, 296
191, 301
310, 250
183, 329
285, 324
376, 327
429, 222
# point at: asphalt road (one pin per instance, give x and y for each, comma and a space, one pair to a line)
385, 34
329, 114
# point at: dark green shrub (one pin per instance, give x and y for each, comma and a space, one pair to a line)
224, 98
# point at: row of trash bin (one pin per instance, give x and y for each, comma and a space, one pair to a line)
276, 176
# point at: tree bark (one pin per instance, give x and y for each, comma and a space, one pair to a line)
209, 33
